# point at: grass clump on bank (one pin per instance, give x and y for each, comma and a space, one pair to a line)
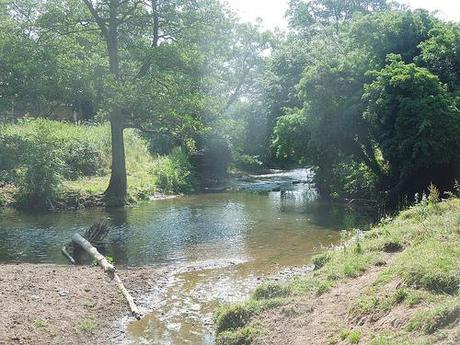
47, 164
419, 255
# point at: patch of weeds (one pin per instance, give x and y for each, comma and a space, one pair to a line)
387, 340
353, 336
321, 259
242, 336
364, 305
415, 297
371, 302
87, 325
40, 323
354, 265
324, 287
231, 317
429, 321
271, 290
399, 296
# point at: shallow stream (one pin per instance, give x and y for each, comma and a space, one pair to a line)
210, 248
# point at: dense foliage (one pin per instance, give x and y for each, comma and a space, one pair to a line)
378, 111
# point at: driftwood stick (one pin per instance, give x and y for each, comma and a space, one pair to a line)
129, 298
67, 255
109, 269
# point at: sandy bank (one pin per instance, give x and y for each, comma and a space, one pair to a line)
49, 304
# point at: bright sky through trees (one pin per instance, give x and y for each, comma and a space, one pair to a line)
272, 11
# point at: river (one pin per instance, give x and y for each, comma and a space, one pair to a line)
211, 248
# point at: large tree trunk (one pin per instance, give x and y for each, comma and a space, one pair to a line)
116, 193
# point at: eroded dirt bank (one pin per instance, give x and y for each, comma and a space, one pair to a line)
50, 304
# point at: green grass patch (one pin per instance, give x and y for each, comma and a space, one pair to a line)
233, 317
352, 336
271, 290
243, 336
40, 323
87, 325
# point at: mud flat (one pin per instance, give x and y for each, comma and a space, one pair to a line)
52, 304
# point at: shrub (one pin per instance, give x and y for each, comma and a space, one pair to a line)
232, 317
39, 183
82, 159
173, 173
248, 163
12, 148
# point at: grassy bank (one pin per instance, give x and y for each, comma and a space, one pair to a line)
51, 164
401, 280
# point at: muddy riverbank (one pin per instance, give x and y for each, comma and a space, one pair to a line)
54, 304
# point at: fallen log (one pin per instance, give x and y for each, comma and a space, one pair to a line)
132, 305
109, 269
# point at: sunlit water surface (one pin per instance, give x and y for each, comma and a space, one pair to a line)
210, 248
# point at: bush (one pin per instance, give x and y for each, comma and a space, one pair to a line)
248, 163
39, 183
173, 173
82, 159
12, 148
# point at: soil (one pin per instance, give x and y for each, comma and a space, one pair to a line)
50, 304
319, 320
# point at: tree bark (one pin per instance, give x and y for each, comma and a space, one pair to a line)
116, 193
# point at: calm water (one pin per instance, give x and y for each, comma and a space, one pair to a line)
212, 248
